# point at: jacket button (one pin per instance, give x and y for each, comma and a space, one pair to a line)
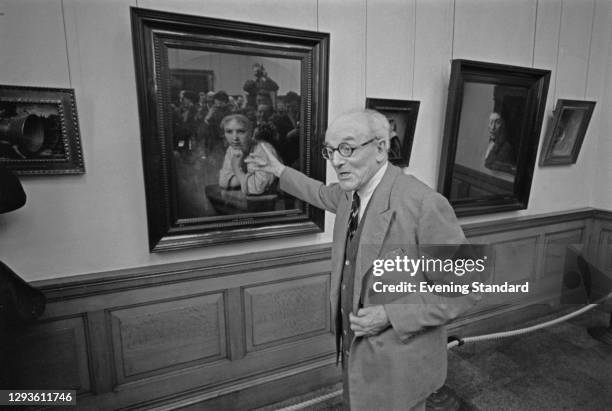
347, 262
344, 286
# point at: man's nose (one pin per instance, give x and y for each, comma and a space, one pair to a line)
336, 159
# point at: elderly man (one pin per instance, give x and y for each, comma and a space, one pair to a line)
393, 347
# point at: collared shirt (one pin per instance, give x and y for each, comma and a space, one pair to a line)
365, 192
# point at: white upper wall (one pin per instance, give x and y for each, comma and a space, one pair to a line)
601, 185
397, 49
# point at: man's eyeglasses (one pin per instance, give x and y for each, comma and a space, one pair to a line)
345, 149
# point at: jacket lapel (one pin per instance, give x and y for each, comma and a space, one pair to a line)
376, 225
339, 243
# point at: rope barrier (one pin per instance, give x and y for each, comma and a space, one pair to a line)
456, 341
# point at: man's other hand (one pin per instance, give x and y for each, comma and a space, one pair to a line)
369, 321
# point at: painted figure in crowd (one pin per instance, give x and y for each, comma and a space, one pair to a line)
261, 84
500, 154
236, 173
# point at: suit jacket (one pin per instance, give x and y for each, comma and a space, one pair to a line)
402, 365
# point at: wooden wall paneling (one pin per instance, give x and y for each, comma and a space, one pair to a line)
486, 230
432, 55
100, 354
301, 259
495, 314
160, 293
54, 354
221, 378
152, 289
554, 263
514, 255
390, 48
515, 263
520, 254
259, 392
286, 311
282, 355
603, 247
163, 335
515, 259
498, 31
236, 327
556, 243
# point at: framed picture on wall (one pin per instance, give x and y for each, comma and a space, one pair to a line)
39, 131
570, 122
211, 93
402, 116
493, 120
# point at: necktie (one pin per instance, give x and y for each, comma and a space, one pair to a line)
354, 217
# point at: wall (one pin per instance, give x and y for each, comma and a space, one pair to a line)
96, 222
601, 189
223, 334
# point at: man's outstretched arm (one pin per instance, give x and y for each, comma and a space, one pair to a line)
297, 184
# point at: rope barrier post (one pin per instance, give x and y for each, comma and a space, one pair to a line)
444, 399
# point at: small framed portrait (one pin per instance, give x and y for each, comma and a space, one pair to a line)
402, 116
493, 119
39, 131
570, 122
214, 94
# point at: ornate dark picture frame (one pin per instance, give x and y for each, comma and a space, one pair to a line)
39, 131
402, 115
493, 120
570, 122
187, 203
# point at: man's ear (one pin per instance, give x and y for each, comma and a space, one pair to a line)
381, 150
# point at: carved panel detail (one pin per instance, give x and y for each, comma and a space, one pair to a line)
287, 310
53, 355
556, 248
515, 260
604, 249
158, 335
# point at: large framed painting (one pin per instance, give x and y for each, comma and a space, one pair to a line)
211, 94
493, 120
402, 116
570, 122
39, 131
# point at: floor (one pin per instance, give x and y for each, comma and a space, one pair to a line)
556, 368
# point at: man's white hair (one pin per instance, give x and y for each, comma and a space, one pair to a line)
376, 123
379, 125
